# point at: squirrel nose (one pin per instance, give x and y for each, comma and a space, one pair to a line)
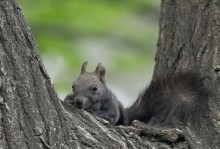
81, 102
78, 103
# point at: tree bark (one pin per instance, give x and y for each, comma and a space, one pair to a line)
32, 116
189, 40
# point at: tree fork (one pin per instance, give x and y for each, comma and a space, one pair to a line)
32, 116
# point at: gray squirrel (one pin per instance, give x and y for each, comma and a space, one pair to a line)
181, 97
91, 94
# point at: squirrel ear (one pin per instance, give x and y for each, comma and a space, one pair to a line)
84, 65
100, 71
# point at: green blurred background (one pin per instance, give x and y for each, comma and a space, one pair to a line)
121, 34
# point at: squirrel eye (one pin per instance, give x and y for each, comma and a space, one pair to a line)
73, 87
95, 88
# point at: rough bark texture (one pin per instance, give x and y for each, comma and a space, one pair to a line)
32, 116
189, 38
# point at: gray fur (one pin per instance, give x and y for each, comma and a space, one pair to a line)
172, 98
91, 94
169, 99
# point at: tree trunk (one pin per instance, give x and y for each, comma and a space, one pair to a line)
32, 116
189, 40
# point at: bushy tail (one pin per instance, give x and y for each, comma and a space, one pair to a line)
178, 98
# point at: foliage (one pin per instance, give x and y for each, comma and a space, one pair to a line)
121, 34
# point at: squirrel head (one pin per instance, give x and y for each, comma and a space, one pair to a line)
99, 71
89, 88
